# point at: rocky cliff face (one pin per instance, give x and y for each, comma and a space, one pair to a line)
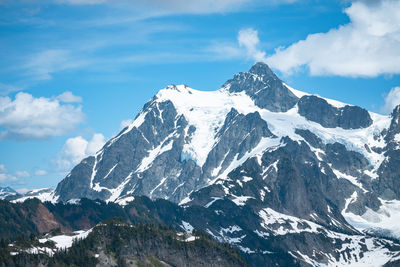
291, 166
319, 110
264, 87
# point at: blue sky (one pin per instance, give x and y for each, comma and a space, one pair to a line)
73, 71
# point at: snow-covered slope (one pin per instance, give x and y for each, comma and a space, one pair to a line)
43, 194
259, 143
6, 192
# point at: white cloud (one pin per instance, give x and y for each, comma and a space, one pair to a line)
223, 51
172, 6
367, 46
194, 6
5, 176
95, 144
184, 6
248, 38
392, 99
82, 2
40, 172
77, 148
22, 174
27, 117
68, 97
125, 123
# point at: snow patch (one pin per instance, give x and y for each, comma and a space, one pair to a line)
350, 178
385, 219
272, 219
44, 194
66, 241
212, 201
187, 227
240, 200
164, 146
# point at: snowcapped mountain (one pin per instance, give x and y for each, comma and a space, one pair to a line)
280, 171
43, 194
6, 192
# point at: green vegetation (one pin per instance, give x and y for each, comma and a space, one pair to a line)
14, 220
148, 243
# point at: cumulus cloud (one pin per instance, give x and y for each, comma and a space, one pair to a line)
367, 46
392, 99
68, 97
40, 172
248, 39
27, 117
77, 148
95, 144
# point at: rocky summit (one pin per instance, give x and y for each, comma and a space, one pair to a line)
285, 176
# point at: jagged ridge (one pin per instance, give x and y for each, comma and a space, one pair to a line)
259, 143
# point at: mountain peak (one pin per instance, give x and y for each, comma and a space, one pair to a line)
264, 87
396, 112
262, 69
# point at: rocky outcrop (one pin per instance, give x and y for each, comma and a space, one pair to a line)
264, 87
388, 183
238, 136
319, 110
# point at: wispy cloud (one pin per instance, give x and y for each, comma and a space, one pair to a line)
69, 97
42, 65
40, 172
82, 2
22, 174
165, 7
194, 6
6, 89
6, 177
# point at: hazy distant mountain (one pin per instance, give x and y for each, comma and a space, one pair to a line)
6, 192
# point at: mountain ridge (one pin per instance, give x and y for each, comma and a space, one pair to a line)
198, 152
296, 164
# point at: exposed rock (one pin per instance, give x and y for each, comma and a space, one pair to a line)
264, 87
319, 110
